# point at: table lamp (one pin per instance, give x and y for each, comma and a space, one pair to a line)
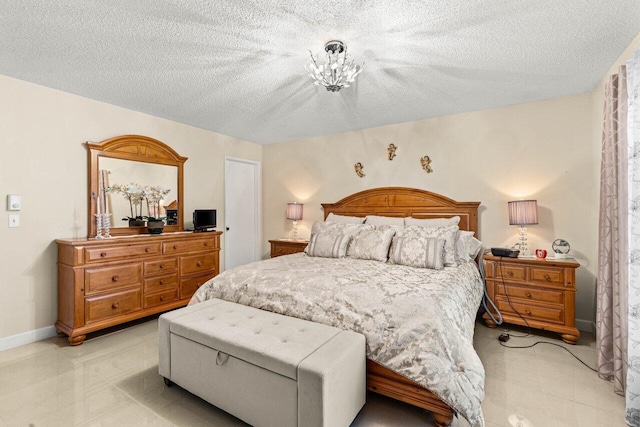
294, 212
523, 212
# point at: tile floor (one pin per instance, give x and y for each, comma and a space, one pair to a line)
112, 380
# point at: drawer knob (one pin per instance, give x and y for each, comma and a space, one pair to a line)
546, 276
161, 266
175, 247
528, 294
206, 243
115, 278
147, 250
528, 311
115, 305
199, 263
161, 297
103, 254
161, 282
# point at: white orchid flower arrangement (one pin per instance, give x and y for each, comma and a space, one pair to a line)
138, 195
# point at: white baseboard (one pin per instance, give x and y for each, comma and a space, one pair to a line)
27, 337
585, 325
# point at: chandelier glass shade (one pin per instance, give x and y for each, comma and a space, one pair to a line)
339, 69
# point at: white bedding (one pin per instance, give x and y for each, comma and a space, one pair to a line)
418, 322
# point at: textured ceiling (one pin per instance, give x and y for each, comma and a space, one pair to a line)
236, 67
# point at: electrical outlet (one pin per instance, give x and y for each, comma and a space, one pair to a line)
14, 221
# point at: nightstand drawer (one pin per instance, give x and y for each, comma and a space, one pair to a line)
547, 275
528, 293
531, 311
510, 272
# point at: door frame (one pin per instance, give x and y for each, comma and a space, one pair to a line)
258, 197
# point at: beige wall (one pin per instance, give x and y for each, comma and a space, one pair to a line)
540, 150
42, 157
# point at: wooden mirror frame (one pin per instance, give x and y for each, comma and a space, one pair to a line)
137, 148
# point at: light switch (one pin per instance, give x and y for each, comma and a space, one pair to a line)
14, 202
14, 221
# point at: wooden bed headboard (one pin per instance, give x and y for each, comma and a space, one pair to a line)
402, 202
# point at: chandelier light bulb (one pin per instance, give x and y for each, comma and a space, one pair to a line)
339, 69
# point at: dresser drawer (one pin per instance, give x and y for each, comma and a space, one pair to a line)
547, 275
110, 278
166, 265
119, 252
106, 306
161, 283
189, 286
531, 311
159, 298
197, 264
510, 272
184, 246
528, 293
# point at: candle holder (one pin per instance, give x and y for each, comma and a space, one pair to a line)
99, 219
106, 224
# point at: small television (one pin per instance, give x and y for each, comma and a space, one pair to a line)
204, 219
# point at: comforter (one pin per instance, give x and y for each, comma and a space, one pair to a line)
417, 322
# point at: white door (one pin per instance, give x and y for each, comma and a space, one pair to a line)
242, 188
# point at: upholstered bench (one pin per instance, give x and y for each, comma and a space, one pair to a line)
264, 368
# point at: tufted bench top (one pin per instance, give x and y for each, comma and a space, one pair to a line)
273, 341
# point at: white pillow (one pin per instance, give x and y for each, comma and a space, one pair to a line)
449, 234
343, 219
467, 246
383, 220
418, 251
328, 245
432, 222
371, 244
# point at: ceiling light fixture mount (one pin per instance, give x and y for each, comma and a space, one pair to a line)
339, 69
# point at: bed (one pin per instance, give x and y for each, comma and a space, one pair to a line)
431, 363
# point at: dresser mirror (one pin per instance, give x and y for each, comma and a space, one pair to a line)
141, 160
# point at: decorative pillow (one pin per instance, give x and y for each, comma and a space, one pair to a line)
449, 234
343, 219
339, 228
432, 222
467, 246
371, 244
328, 245
418, 251
383, 220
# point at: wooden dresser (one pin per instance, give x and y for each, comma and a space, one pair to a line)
105, 282
542, 291
281, 247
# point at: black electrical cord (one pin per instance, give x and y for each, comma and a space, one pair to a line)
504, 286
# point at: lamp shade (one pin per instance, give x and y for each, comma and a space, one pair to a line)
523, 212
294, 211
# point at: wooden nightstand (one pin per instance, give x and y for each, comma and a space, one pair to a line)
542, 291
281, 247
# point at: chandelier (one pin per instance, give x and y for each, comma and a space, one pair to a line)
339, 69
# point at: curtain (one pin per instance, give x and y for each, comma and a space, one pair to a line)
611, 314
633, 156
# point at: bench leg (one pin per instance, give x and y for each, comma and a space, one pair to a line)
167, 382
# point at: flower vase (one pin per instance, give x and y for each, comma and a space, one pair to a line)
155, 226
